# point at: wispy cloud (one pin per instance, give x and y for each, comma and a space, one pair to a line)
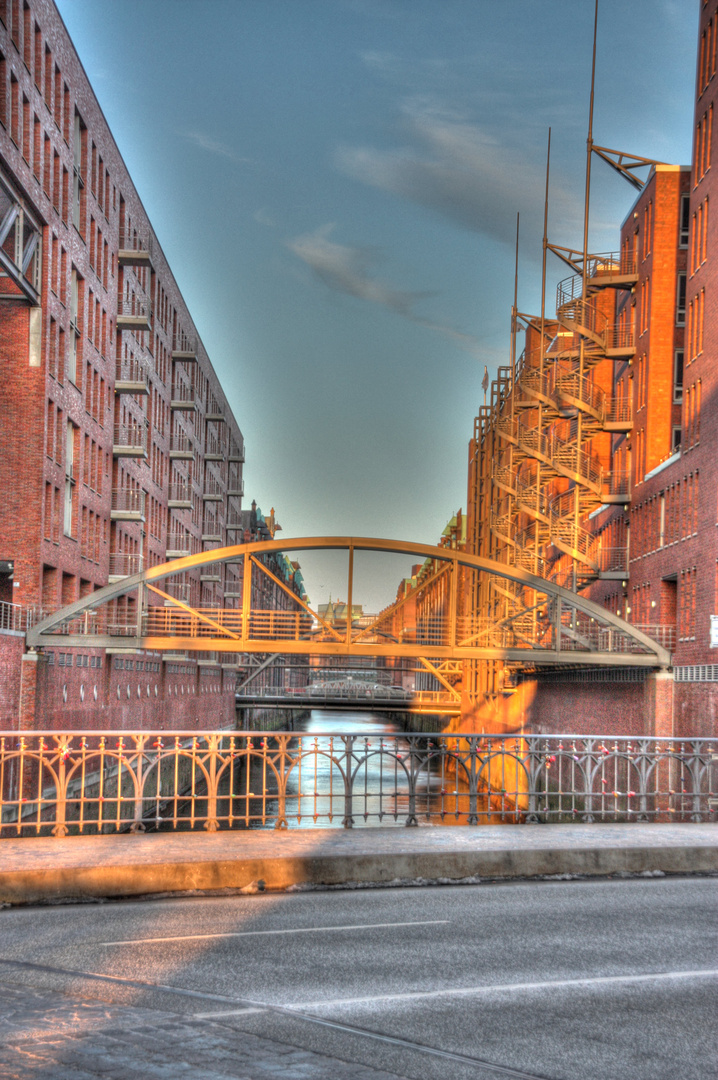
348, 270
458, 169
214, 146
263, 217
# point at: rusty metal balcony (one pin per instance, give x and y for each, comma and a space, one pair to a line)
134, 250
127, 505
130, 440
131, 377
134, 313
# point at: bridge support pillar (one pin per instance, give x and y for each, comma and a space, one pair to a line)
28, 691
658, 701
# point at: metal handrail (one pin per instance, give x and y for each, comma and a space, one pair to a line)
76, 782
560, 452
183, 392
180, 492
182, 343
129, 500
123, 564
131, 435
130, 369
180, 442
20, 617
131, 241
136, 306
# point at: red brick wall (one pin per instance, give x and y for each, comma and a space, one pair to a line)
590, 709
95, 698
29, 460
11, 650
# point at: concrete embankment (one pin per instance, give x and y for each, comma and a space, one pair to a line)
99, 867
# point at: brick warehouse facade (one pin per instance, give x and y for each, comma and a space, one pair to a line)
619, 395
119, 449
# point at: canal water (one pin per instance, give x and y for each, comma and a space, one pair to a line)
380, 789
315, 792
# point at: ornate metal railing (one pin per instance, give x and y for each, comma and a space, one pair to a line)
75, 782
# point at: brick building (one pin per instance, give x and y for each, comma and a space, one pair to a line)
594, 463
119, 449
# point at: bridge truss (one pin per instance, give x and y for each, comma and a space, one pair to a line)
436, 625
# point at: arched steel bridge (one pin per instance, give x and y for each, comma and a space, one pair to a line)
554, 626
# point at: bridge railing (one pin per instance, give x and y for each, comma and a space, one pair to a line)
80, 782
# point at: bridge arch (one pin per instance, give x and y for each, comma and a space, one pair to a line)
569, 629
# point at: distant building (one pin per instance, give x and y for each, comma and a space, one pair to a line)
596, 466
279, 599
118, 448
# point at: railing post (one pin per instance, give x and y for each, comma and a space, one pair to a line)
350, 590
348, 740
453, 601
246, 596
211, 824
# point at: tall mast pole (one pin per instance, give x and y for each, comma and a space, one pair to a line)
545, 245
589, 153
514, 312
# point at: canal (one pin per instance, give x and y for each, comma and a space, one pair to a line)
338, 769
388, 786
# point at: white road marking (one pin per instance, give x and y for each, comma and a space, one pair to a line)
269, 933
470, 991
230, 1012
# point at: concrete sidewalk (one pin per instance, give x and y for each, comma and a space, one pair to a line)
86, 867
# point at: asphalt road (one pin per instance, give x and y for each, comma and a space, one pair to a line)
580, 979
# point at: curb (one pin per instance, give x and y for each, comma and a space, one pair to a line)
114, 872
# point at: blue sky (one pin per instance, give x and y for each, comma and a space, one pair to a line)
335, 184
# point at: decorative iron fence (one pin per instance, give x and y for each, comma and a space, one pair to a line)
75, 782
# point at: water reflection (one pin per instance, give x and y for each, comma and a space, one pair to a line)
338, 769
368, 780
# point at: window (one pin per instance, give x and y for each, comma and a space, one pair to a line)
675, 439
645, 298
3, 91
678, 376
15, 112
77, 179
703, 139
681, 300
699, 245
75, 333
69, 477
685, 220
647, 222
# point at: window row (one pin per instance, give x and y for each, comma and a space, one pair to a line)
696, 319
665, 518
692, 415
702, 147
699, 243
707, 56
687, 604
